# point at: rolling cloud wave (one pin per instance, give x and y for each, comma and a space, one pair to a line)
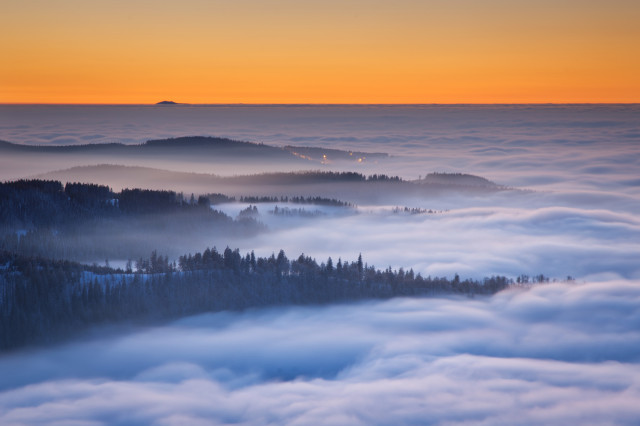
551, 354
556, 353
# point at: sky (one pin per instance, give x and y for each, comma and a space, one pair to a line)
356, 51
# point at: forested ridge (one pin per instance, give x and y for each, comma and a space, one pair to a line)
88, 221
45, 297
91, 222
29, 204
43, 300
40, 203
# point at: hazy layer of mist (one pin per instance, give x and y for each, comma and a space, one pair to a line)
554, 354
553, 147
474, 242
582, 162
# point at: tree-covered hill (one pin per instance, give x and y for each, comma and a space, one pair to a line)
89, 222
43, 300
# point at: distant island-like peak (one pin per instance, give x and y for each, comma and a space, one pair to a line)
167, 103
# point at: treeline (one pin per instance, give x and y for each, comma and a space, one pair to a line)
301, 212
319, 201
32, 204
252, 212
311, 177
383, 178
413, 210
91, 222
44, 300
45, 203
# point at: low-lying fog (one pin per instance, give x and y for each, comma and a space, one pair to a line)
582, 162
591, 244
579, 147
555, 354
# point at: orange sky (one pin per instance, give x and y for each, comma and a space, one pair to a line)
308, 51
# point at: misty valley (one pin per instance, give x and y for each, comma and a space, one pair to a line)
319, 264
48, 227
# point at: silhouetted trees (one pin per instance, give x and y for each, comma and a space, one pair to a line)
319, 201
42, 300
289, 212
89, 222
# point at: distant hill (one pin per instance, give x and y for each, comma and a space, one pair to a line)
327, 156
62, 149
462, 179
199, 147
167, 103
215, 147
348, 186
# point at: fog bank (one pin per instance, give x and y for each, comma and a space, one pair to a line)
541, 146
554, 354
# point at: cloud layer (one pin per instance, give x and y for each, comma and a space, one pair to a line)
553, 354
553, 147
474, 242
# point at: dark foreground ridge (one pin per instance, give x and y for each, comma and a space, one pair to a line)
44, 301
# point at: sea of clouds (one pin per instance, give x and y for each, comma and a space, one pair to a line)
577, 147
591, 245
553, 354
581, 161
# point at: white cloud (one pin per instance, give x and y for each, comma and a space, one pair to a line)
555, 354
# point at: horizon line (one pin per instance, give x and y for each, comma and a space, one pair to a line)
178, 104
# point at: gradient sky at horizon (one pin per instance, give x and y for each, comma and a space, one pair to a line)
375, 51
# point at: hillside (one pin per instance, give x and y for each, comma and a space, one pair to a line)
349, 186
194, 147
